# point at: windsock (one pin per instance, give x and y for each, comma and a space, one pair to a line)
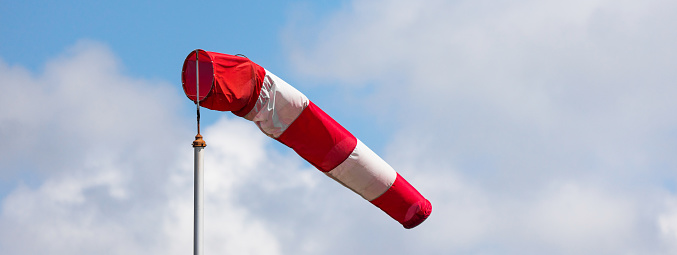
236, 84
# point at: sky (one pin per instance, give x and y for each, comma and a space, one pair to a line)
533, 127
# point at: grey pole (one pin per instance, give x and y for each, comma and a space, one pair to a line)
198, 198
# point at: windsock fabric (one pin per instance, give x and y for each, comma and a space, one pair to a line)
285, 114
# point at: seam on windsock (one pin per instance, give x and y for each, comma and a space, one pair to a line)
257, 74
278, 105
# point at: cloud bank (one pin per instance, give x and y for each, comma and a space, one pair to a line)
100, 163
534, 126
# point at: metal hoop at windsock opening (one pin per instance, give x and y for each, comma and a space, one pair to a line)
248, 90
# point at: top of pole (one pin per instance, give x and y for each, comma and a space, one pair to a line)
199, 142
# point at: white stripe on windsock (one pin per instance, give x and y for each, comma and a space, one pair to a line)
277, 106
364, 172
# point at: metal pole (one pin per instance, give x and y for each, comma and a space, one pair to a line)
198, 200
198, 194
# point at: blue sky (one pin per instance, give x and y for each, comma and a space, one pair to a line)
533, 127
152, 38
144, 33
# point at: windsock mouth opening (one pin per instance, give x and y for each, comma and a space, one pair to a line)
189, 75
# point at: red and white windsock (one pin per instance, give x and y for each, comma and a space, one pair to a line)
236, 84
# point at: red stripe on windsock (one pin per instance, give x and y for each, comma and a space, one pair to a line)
233, 82
319, 139
257, 74
404, 203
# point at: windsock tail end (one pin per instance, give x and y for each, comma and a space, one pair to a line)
421, 211
404, 204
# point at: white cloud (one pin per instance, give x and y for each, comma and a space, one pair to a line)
667, 223
112, 167
533, 126
575, 219
94, 144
